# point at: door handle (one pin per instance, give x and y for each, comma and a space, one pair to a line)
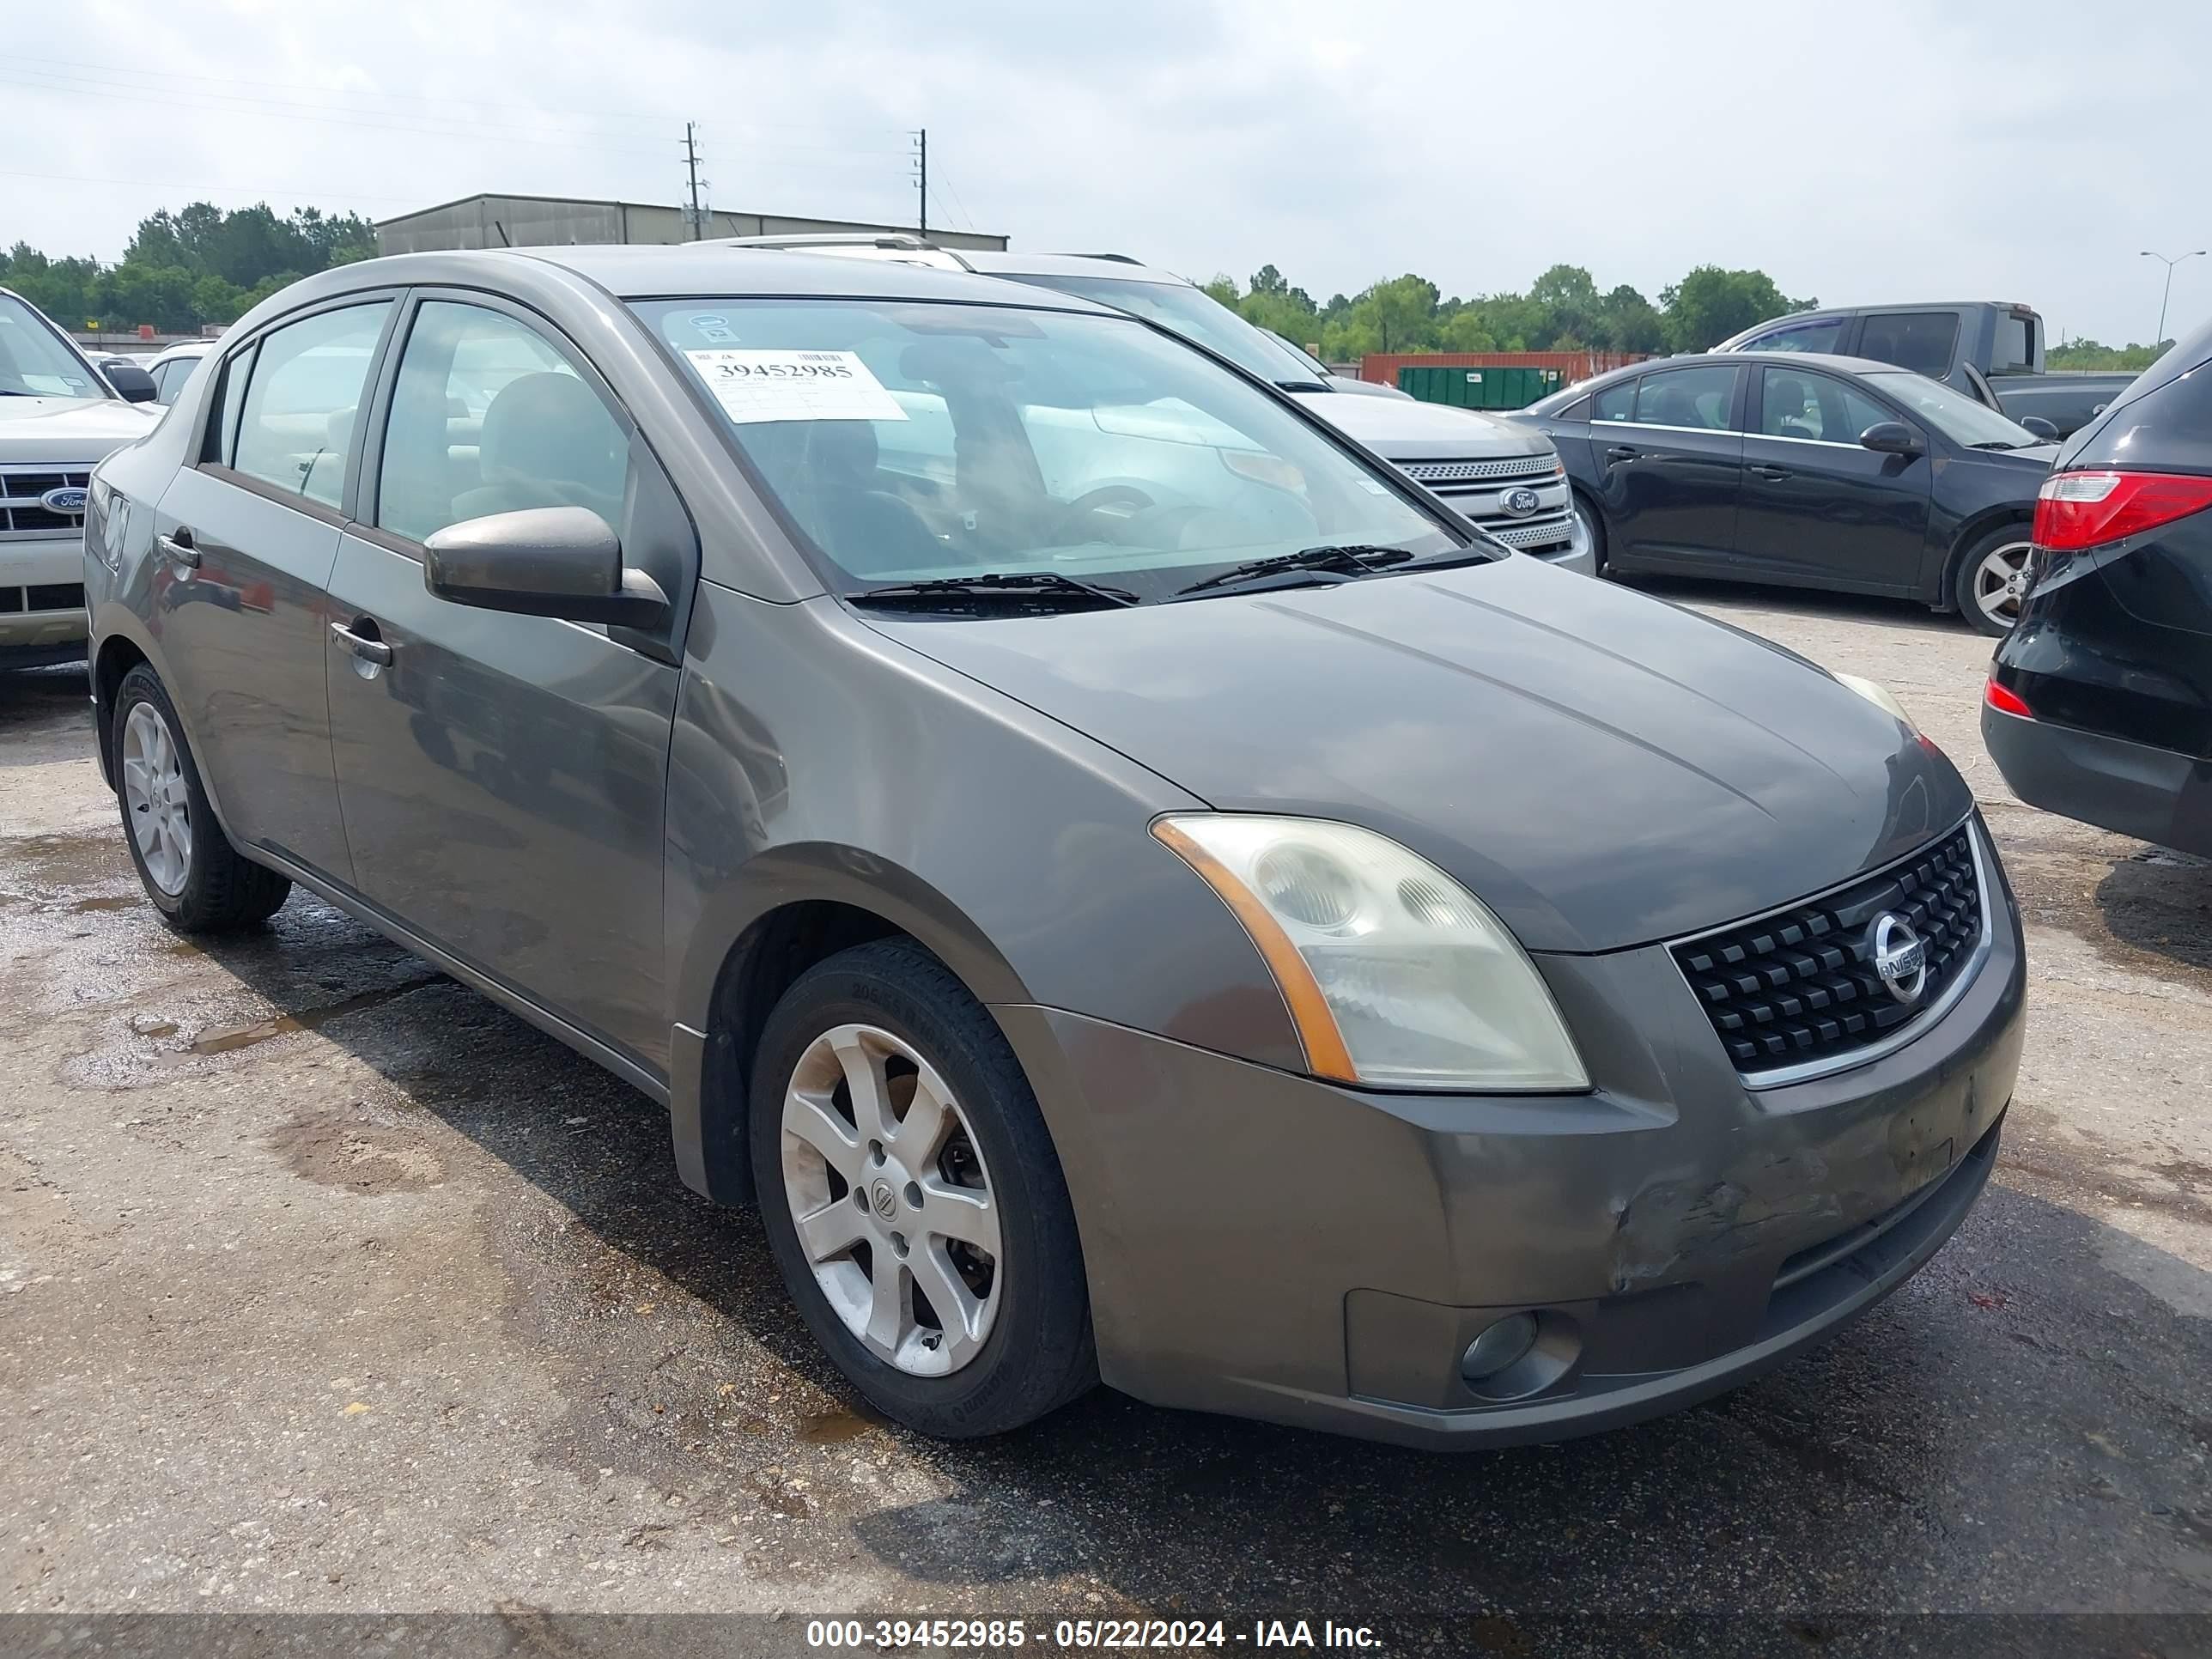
1620, 452
1766, 472
180, 548
361, 645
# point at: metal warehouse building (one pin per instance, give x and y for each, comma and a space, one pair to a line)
548, 221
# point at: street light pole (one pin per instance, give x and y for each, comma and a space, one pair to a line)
2159, 338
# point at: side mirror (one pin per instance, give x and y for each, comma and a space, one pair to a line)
2041, 428
1891, 438
132, 384
541, 561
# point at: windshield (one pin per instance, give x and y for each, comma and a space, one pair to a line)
35, 362
1955, 414
1191, 313
921, 442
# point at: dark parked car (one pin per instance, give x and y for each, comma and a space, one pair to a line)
2100, 706
1132, 885
1814, 471
1991, 350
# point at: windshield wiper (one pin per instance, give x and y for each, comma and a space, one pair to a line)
1304, 386
1999, 443
1352, 559
1009, 586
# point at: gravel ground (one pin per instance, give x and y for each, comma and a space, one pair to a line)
327, 1286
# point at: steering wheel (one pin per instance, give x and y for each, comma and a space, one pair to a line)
1108, 497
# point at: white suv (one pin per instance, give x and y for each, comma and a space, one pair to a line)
58, 419
1504, 476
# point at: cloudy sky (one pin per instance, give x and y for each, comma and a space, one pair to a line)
1880, 151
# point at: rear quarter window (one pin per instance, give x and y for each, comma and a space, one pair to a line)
1922, 341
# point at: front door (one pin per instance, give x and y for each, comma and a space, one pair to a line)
1668, 450
503, 777
1817, 506
249, 534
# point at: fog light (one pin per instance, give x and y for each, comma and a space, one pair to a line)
1497, 1347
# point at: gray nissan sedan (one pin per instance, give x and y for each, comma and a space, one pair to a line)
1133, 888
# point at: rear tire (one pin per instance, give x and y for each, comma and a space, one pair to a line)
862, 1179
194, 876
1991, 579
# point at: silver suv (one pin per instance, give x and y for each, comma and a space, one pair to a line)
58, 419
1506, 479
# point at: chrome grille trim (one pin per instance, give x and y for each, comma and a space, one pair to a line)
1514, 467
23, 517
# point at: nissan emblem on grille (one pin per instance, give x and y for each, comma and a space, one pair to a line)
1900, 960
1832, 980
1521, 502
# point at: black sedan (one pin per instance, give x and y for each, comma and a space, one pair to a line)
2099, 705
1814, 470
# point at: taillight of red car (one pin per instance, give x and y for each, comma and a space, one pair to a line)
2078, 510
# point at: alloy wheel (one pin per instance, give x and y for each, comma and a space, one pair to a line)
157, 798
2001, 582
890, 1200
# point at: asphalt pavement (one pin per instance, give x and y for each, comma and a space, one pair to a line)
328, 1287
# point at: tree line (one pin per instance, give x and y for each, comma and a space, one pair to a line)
1561, 311
188, 269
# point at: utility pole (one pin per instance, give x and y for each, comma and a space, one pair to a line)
2159, 338
921, 144
691, 165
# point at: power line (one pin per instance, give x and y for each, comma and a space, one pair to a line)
401, 97
296, 192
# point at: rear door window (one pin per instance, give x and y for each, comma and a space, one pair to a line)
297, 422
1922, 341
1616, 402
1696, 398
2015, 351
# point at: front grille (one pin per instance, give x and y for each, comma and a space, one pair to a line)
1513, 467
23, 516
1546, 532
1799, 988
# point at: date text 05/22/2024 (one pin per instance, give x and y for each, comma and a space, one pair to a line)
1085, 1634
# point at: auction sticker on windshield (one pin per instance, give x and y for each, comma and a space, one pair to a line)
758, 385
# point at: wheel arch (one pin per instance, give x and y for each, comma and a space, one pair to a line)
798, 906
1969, 532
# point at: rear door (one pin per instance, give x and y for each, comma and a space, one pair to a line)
503, 777
249, 535
1669, 451
1818, 507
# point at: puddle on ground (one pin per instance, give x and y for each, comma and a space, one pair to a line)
228, 1039
833, 1428
121, 901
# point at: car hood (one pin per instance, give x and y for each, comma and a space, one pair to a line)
75, 431
1602, 768
1405, 428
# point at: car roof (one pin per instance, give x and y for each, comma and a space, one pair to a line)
1729, 359
1071, 264
913, 249
633, 271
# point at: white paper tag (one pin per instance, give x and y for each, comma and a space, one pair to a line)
753, 385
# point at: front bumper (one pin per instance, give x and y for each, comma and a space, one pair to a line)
1280, 1248
33, 629
2155, 795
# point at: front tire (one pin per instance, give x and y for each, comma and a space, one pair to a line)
1992, 579
912, 1200
187, 866
1592, 524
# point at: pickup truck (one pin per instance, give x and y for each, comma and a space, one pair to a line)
1990, 350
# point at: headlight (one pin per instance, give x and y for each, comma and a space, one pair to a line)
1394, 975
1880, 697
